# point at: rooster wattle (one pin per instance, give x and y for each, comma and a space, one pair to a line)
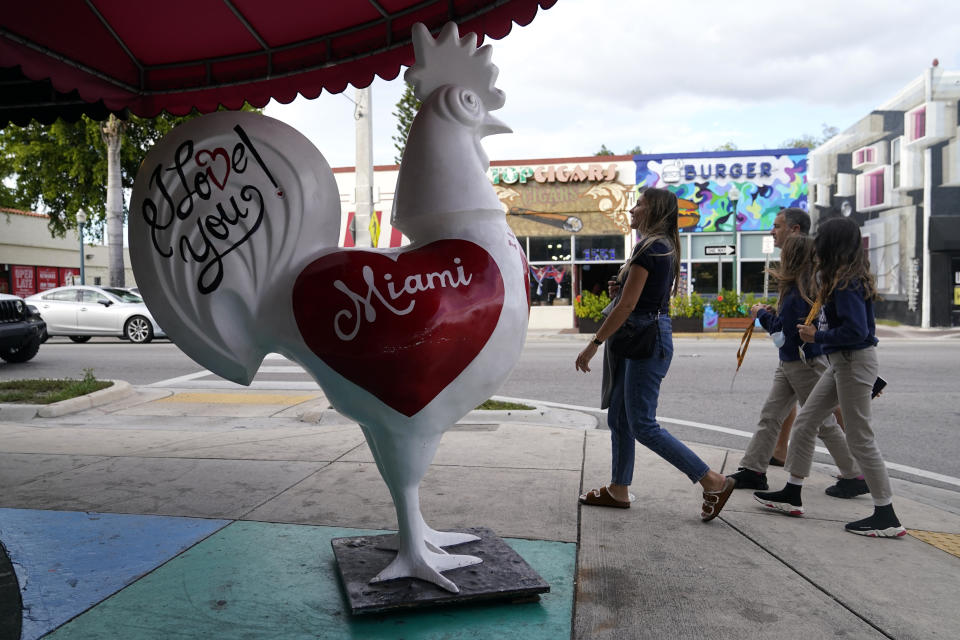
233, 238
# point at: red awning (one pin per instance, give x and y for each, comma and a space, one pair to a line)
63, 57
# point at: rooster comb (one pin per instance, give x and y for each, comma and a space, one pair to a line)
453, 60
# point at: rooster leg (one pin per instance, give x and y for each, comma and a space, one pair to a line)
436, 538
403, 461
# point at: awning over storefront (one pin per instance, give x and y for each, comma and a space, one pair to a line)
64, 58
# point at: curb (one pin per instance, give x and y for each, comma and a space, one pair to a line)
117, 391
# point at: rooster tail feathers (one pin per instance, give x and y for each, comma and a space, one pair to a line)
227, 209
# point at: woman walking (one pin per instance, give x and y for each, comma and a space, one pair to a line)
632, 385
801, 365
848, 337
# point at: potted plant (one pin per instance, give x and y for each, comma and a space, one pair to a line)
588, 308
734, 310
686, 313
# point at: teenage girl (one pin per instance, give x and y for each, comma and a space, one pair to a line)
847, 291
796, 375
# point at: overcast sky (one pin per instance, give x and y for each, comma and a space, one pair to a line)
674, 76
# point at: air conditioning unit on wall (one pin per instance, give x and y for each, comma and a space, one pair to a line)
929, 123
870, 155
911, 168
822, 195
846, 184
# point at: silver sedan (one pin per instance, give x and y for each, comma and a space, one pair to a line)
81, 312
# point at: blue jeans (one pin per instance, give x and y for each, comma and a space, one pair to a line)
632, 414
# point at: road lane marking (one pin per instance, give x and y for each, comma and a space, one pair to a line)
236, 398
922, 473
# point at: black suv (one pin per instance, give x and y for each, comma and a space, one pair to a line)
21, 329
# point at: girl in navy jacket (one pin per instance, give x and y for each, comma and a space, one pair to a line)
846, 334
800, 368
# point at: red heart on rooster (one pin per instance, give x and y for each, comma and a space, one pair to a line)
213, 155
404, 328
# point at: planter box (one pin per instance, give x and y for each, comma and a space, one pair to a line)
687, 325
586, 325
733, 324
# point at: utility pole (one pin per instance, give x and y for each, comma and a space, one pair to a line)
364, 169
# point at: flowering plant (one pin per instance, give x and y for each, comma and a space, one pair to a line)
589, 305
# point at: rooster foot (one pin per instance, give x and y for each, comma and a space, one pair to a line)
426, 565
434, 538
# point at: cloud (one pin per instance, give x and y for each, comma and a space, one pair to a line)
677, 76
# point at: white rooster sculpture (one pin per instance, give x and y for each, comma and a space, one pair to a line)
233, 231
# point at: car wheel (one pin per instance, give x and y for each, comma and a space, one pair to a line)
138, 330
80, 338
22, 353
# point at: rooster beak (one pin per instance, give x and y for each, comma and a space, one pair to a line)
491, 125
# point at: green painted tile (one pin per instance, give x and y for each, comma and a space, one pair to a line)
255, 580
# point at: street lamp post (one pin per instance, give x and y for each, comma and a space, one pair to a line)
81, 219
734, 195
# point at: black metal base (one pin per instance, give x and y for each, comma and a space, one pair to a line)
503, 575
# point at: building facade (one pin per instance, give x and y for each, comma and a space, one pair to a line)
571, 216
31, 260
897, 173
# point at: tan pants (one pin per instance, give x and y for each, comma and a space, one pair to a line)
848, 381
792, 383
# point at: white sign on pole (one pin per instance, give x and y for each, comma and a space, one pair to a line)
767, 245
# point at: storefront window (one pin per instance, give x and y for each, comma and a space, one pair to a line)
550, 284
556, 249
705, 277
599, 248
751, 279
701, 241
751, 247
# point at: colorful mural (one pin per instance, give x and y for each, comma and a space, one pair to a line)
720, 191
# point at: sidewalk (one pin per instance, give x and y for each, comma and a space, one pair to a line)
175, 514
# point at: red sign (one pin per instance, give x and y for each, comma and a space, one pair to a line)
69, 275
403, 327
24, 280
47, 278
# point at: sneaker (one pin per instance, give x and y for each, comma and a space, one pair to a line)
882, 524
749, 479
848, 488
782, 501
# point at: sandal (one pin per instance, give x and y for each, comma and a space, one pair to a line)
602, 498
713, 501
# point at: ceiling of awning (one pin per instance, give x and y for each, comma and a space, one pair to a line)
62, 58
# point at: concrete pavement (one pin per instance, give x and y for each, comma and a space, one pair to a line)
178, 514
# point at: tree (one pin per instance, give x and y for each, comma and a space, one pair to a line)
64, 167
729, 145
407, 108
606, 152
810, 141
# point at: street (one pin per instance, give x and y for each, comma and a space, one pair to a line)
915, 419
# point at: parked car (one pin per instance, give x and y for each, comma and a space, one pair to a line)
81, 312
21, 329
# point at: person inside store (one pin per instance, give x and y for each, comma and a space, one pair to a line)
801, 365
846, 290
631, 385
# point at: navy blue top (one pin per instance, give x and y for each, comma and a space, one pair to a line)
793, 311
656, 291
850, 322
